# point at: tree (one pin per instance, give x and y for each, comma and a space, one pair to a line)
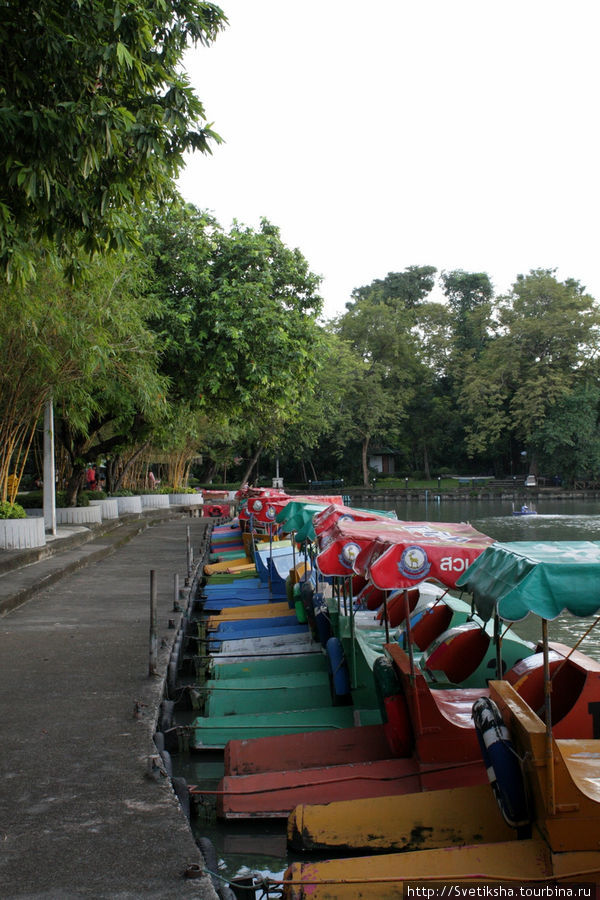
547, 344
381, 332
568, 442
470, 297
236, 321
85, 346
96, 116
409, 287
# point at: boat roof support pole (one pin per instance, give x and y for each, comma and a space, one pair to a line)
352, 639
386, 621
407, 627
498, 645
550, 792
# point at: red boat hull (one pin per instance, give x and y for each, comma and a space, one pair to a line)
306, 750
275, 794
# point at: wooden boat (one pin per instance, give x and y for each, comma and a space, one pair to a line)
565, 796
440, 728
560, 797
273, 793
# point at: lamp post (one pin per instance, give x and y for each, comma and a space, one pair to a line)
49, 475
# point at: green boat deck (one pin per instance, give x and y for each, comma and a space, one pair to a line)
214, 732
276, 692
282, 666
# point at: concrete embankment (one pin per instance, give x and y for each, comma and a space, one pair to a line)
85, 807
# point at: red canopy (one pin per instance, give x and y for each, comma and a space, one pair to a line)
264, 503
323, 520
265, 506
404, 555
343, 540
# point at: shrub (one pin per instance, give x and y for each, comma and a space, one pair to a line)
11, 510
84, 497
32, 500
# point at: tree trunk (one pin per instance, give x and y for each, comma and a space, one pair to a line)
314, 471
129, 464
75, 484
426, 462
251, 463
365, 460
112, 465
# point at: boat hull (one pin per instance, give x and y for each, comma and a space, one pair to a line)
400, 823
306, 750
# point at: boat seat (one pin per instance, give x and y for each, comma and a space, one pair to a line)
396, 607
434, 620
457, 705
458, 651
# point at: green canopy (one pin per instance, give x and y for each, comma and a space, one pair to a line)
297, 513
542, 577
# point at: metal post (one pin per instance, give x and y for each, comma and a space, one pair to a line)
270, 561
386, 621
352, 634
498, 643
176, 591
190, 554
550, 795
408, 631
49, 476
153, 660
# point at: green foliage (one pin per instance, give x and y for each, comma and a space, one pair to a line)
11, 510
408, 288
548, 343
382, 329
35, 499
469, 298
568, 440
95, 117
235, 318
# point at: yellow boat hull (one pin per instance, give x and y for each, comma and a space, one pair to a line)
458, 816
262, 611
383, 877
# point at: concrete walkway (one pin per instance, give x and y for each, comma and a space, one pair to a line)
83, 813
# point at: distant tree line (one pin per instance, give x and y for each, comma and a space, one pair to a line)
470, 383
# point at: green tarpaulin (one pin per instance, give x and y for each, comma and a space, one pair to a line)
542, 577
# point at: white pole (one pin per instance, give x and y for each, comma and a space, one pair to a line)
49, 475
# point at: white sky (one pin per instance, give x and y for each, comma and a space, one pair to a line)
386, 133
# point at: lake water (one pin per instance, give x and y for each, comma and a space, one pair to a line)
261, 845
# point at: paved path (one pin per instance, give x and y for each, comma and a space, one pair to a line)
81, 814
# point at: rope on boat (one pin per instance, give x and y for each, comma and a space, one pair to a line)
196, 791
572, 650
451, 878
